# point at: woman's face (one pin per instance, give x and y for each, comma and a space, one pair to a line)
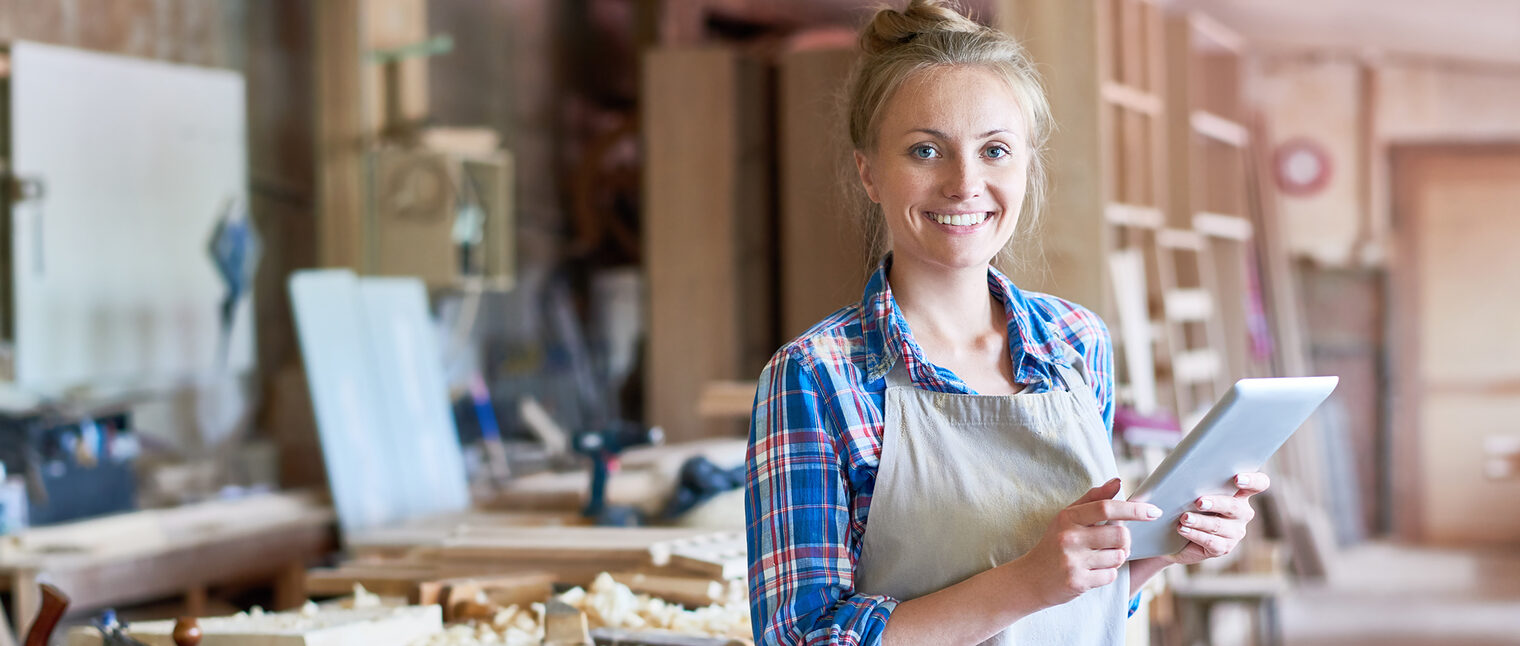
949, 168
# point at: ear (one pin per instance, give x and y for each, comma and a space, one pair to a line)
863, 165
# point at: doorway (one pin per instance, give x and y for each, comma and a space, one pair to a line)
1455, 351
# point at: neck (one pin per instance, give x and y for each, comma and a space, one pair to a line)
952, 306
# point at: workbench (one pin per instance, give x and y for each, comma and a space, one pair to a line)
146, 555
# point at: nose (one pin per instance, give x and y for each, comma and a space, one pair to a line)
963, 180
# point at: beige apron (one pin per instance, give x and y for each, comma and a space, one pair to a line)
968, 482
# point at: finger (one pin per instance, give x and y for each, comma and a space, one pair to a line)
1213, 546
1226, 506
1250, 484
1108, 559
1104, 537
1210, 524
1092, 513
1103, 491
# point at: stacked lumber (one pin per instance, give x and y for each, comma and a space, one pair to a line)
408, 561
372, 626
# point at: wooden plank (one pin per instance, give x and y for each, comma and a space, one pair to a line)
1215, 34
1195, 366
1184, 305
690, 591
1131, 98
1060, 36
707, 213
1219, 129
823, 248
1131, 52
1232, 284
1181, 163
249, 556
1220, 225
727, 398
1179, 239
340, 132
329, 627
721, 556
389, 24
1134, 215
1135, 332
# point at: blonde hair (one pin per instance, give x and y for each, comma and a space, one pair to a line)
928, 34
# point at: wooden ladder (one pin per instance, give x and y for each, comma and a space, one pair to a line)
1194, 370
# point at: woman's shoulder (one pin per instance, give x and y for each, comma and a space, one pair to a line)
1075, 323
837, 340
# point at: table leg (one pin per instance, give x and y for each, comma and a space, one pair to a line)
195, 601
27, 599
290, 586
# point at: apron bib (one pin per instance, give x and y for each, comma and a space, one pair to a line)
969, 482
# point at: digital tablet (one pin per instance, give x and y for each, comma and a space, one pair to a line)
1238, 435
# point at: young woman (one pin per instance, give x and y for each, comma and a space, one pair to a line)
933, 464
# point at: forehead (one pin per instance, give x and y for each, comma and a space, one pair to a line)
961, 101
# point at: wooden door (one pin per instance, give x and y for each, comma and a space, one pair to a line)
1456, 348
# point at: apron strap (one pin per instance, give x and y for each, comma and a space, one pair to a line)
898, 375
1078, 386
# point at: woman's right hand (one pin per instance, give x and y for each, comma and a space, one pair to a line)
1082, 549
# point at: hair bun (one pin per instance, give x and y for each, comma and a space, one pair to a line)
890, 28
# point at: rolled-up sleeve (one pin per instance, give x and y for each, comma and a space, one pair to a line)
797, 512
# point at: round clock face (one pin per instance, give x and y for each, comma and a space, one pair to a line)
1302, 167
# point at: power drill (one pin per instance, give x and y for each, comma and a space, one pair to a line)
603, 447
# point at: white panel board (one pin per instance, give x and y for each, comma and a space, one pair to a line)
376, 377
113, 280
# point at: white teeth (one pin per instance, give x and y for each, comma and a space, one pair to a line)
960, 220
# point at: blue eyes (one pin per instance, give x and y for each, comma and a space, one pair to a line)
929, 152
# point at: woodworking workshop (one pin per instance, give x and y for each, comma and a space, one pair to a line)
759, 322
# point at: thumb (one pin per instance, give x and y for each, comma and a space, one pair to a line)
1103, 491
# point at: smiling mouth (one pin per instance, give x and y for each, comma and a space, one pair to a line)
960, 219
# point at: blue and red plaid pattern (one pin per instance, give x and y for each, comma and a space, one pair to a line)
815, 443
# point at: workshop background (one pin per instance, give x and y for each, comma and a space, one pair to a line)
406, 317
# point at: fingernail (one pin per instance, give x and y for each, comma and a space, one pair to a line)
1204, 504
1187, 519
1184, 531
1152, 511
1241, 481
1110, 482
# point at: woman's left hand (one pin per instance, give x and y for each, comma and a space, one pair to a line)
1217, 523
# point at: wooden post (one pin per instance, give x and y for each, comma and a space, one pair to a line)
339, 132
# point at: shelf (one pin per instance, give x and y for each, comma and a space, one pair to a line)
1195, 366
1222, 225
1188, 305
1133, 215
1131, 98
1218, 36
1179, 239
1220, 129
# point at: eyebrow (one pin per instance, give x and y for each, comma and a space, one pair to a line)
942, 135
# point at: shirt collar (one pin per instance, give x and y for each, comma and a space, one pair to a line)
1034, 343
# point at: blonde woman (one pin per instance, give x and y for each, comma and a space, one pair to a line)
933, 464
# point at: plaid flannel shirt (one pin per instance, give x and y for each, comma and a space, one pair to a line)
815, 444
